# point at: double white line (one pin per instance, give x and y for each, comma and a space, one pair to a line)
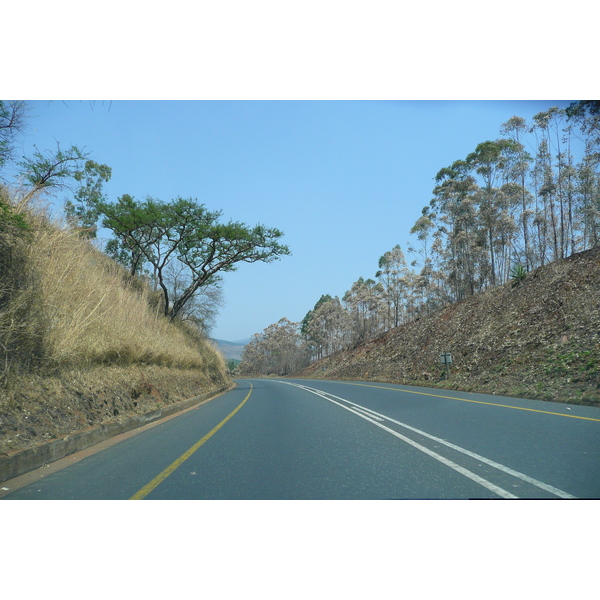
378, 419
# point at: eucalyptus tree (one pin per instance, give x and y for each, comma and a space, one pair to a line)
452, 221
255, 358
426, 228
586, 115
588, 205
557, 135
489, 160
501, 206
312, 342
393, 275
550, 180
278, 349
519, 164
306, 320
364, 303
327, 328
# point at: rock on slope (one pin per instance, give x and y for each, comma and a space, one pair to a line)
537, 339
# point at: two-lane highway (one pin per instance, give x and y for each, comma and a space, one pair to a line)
308, 439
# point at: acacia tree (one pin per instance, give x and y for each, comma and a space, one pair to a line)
158, 233
202, 309
53, 170
82, 212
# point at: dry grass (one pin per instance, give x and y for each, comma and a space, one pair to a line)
80, 342
93, 316
76, 307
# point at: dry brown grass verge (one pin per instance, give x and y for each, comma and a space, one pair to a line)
35, 409
81, 342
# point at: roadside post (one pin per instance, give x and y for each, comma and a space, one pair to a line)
446, 359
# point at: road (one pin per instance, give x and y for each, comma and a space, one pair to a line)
308, 439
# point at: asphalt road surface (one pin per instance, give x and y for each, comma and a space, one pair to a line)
308, 439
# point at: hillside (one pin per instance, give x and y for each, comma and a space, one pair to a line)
537, 339
231, 350
83, 344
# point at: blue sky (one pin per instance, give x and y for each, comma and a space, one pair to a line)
344, 180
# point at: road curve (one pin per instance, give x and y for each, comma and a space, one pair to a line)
309, 439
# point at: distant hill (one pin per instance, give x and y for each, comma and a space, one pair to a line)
537, 339
231, 349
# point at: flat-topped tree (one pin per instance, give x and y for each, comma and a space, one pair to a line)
158, 233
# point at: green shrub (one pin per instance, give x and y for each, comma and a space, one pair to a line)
518, 273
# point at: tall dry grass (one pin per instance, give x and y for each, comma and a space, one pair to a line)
63, 303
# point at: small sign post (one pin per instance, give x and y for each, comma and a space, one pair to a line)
446, 359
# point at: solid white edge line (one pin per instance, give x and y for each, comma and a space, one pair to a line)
474, 477
526, 478
369, 414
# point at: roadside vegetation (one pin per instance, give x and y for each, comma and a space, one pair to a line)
91, 334
80, 341
510, 213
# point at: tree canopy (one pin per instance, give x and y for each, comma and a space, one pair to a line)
158, 233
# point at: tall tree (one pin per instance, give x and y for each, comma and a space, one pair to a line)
453, 220
278, 349
326, 329
313, 340
586, 115
489, 161
393, 275
184, 230
519, 164
364, 302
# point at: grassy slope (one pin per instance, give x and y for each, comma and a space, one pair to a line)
81, 344
539, 339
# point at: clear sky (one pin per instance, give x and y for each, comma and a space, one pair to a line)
344, 180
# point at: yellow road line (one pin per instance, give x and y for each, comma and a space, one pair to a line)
475, 401
159, 478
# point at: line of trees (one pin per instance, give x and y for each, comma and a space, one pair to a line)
522, 200
510, 206
277, 350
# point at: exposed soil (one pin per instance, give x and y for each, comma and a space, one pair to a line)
37, 409
536, 339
